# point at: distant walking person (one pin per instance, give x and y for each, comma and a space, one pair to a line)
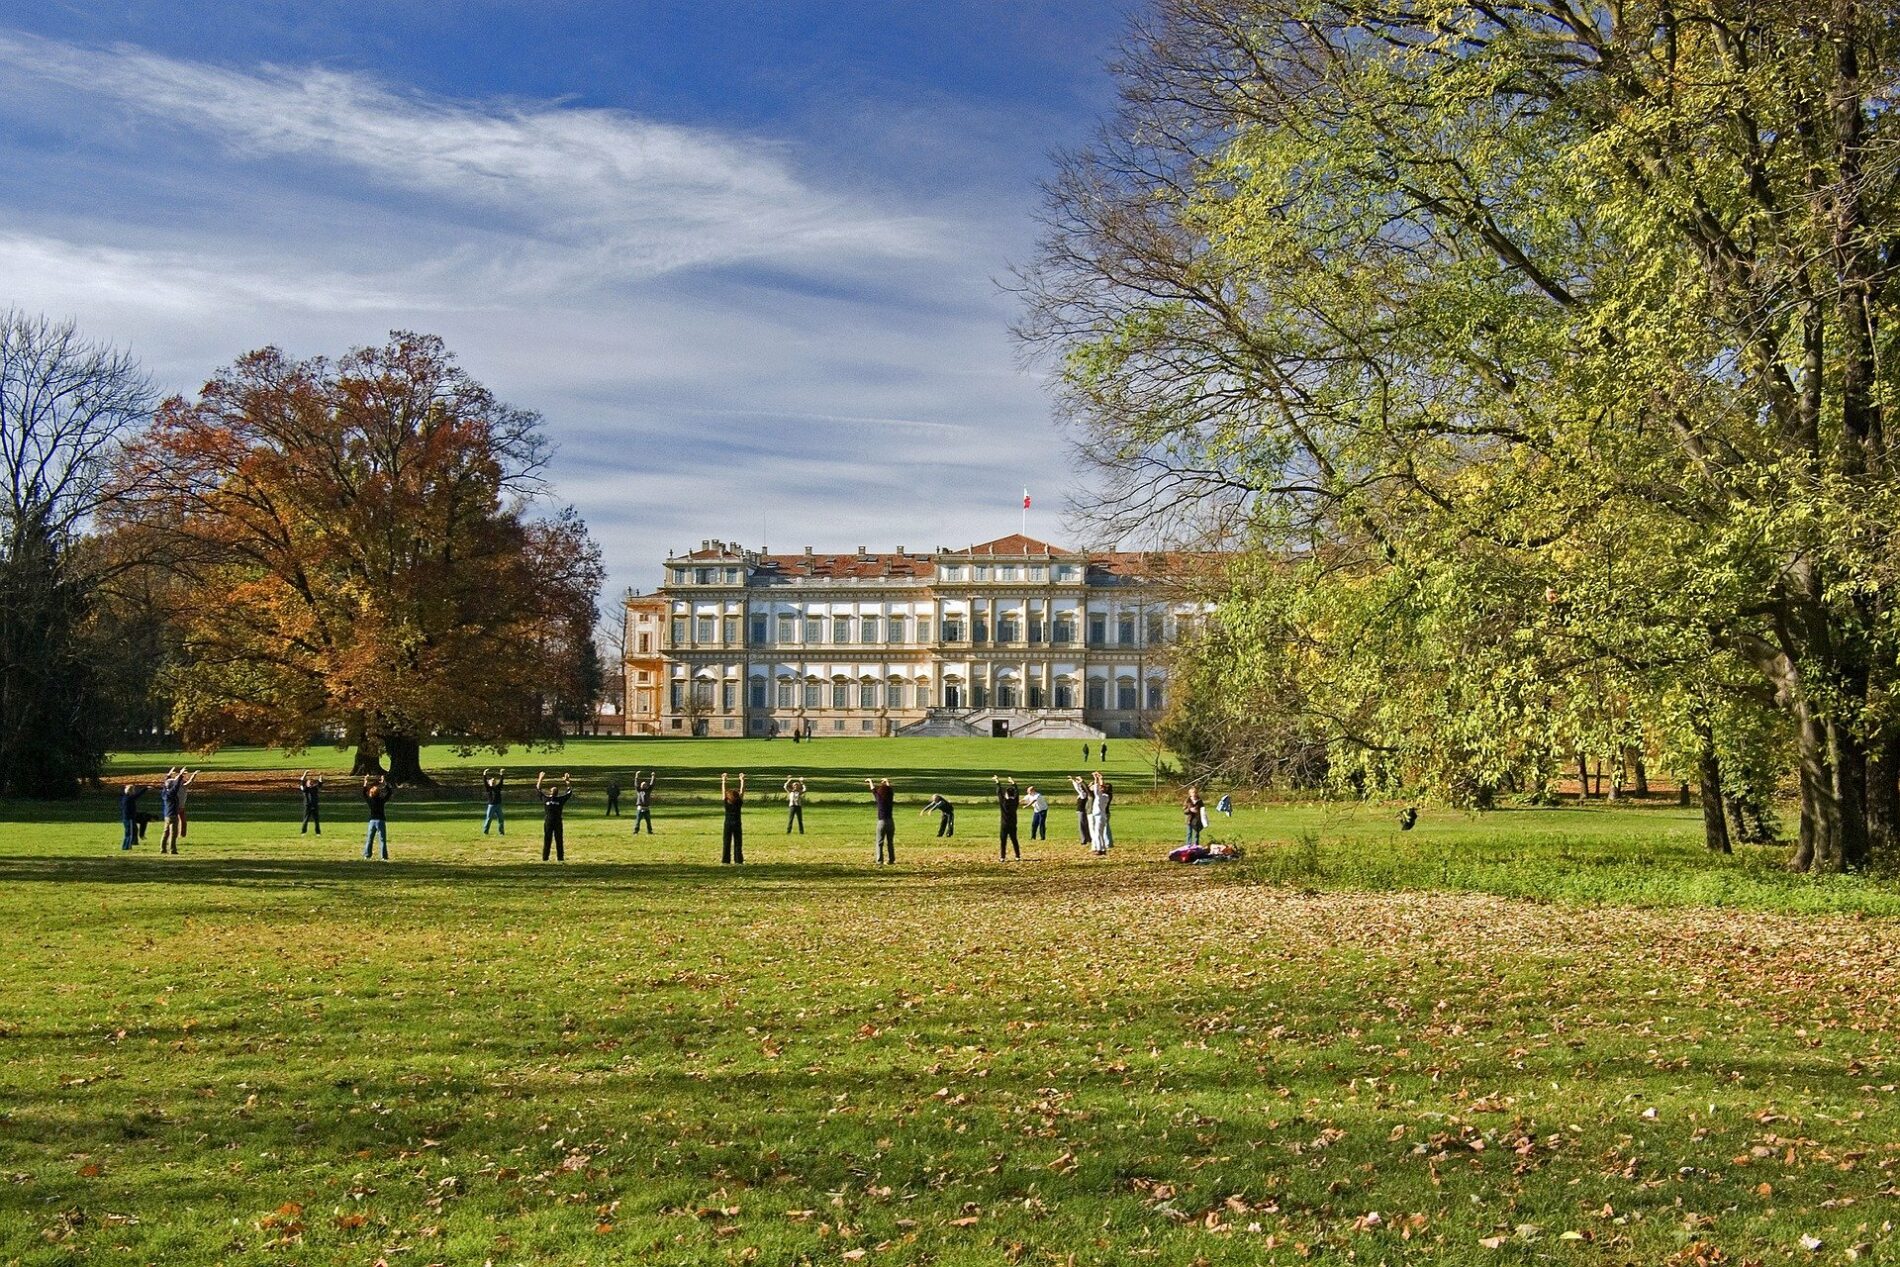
643, 801
1104, 754
1099, 805
1085, 753
1038, 813
1008, 800
1195, 811
1084, 803
129, 812
613, 796
732, 843
492, 783
312, 790
376, 794
884, 798
553, 801
794, 805
171, 801
947, 825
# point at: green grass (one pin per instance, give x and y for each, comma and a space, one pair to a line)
269, 1051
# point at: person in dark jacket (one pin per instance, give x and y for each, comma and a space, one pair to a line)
376, 794
129, 812
885, 799
613, 796
312, 790
553, 801
732, 843
643, 801
1009, 800
947, 825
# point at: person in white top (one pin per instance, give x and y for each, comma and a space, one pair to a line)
1038, 814
1104, 795
795, 805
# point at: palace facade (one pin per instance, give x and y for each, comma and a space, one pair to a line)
1011, 637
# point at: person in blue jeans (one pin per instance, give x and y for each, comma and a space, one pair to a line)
376, 792
1038, 813
492, 781
129, 812
1195, 811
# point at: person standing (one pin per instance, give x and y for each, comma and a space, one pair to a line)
376, 794
1085, 754
1104, 754
794, 805
732, 843
1009, 800
1038, 813
1195, 811
184, 820
885, 799
171, 795
1084, 804
492, 782
643, 801
613, 796
553, 801
312, 790
1099, 805
129, 812
947, 825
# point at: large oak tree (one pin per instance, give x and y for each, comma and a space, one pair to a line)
356, 556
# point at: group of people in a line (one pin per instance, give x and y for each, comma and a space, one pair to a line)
1094, 802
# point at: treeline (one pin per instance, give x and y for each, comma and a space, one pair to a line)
349, 551
1532, 361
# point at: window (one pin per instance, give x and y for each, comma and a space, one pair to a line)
1065, 628
702, 576
1098, 630
894, 694
1125, 631
841, 629
866, 724
867, 695
1065, 571
732, 631
952, 695
812, 694
705, 629
840, 695
678, 575
1038, 573
732, 576
756, 699
979, 695
982, 571
1006, 626
646, 644
1035, 630
952, 573
703, 694
759, 629
1007, 572
814, 629
676, 695
679, 631
1154, 697
896, 625
923, 630
1098, 693
838, 725
952, 629
788, 694
1035, 695
1125, 695
1006, 694
980, 629
868, 629
1156, 629
728, 696
1065, 695
787, 627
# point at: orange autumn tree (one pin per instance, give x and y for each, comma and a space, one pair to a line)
358, 557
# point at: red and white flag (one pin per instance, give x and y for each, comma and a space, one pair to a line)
1025, 499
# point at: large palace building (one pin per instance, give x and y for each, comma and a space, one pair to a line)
1012, 637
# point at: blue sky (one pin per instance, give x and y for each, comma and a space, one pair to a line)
744, 258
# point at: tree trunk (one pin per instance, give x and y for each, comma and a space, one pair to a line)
1714, 824
405, 761
1883, 798
369, 760
1642, 777
1583, 777
1818, 847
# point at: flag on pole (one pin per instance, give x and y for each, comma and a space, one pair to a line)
1025, 499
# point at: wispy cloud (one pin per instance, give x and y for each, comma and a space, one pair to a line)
627, 197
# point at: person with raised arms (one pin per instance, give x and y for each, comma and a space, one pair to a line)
732, 841
1009, 800
794, 804
553, 801
643, 801
885, 799
492, 784
171, 802
1038, 813
1084, 806
312, 790
376, 793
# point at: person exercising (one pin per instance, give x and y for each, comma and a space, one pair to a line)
1009, 799
613, 796
492, 783
171, 807
885, 800
312, 790
1038, 813
732, 842
129, 812
947, 825
553, 800
794, 805
643, 801
376, 794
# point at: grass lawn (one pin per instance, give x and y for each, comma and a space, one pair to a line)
1537, 1036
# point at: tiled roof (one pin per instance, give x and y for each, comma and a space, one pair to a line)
854, 567
1014, 546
